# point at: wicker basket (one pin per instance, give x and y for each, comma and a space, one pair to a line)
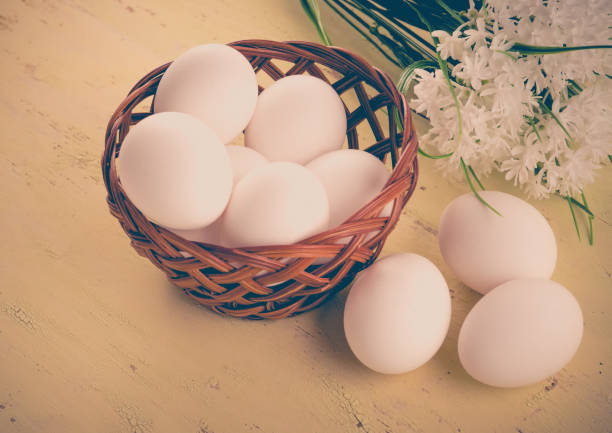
273, 282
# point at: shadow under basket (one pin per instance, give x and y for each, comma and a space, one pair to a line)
273, 282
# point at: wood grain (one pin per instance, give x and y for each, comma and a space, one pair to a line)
93, 338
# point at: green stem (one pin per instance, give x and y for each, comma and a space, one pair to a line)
427, 155
411, 34
450, 11
478, 196
476, 177
399, 49
403, 83
590, 218
418, 14
311, 7
408, 44
507, 54
590, 232
575, 202
575, 84
397, 8
444, 69
530, 120
363, 33
557, 121
536, 50
569, 202
574, 87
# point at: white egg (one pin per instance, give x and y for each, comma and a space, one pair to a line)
520, 332
243, 160
208, 235
297, 118
485, 250
351, 178
275, 204
397, 313
175, 170
214, 83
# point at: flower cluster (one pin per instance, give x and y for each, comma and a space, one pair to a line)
542, 119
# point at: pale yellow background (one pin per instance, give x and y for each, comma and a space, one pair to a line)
94, 339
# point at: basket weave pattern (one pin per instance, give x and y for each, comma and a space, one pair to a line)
273, 282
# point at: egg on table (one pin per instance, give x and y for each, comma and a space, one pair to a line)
278, 203
520, 333
485, 250
297, 118
397, 313
175, 170
214, 83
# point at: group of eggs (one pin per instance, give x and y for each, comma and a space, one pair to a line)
525, 327
292, 179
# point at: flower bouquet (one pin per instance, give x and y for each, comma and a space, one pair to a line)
522, 88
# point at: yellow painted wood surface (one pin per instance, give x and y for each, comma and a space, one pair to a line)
94, 339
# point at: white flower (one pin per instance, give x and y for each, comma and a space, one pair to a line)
474, 68
499, 95
449, 46
478, 35
536, 188
523, 162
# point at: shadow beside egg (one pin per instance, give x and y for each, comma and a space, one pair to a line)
329, 317
446, 360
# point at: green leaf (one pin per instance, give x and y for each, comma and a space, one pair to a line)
590, 232
573, 216
409, 46
451, 12
311, 7
427, 155
584, 208
506, 53
575, 84
478, 196
590, 217
433, 11
575, 202
403, 83
404, 54
557, 121
536, 50
420, 16
362, 32
530, 120
413, 37
444, 68
576, 89
475, 177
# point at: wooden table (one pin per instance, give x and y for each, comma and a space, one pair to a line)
94, 339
